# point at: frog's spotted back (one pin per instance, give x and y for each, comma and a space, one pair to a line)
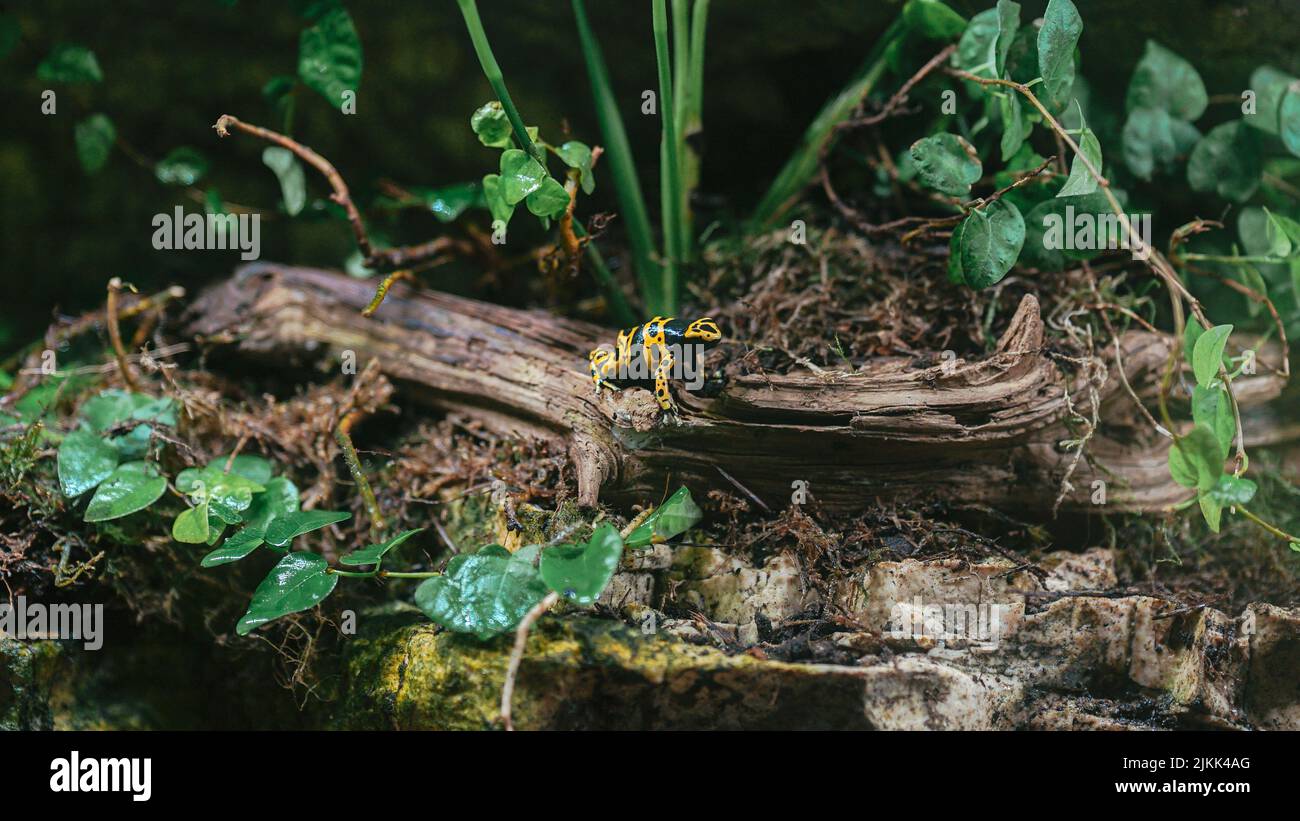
652, 339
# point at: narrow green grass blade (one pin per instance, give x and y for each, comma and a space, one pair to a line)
618, 156
469, 10
670, 168
802, 165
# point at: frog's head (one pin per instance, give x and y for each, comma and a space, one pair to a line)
703, 331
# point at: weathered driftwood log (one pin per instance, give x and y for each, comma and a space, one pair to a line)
988, 431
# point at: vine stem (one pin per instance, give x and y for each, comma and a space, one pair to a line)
343, 435
1276, 531
1177, 291
478, 36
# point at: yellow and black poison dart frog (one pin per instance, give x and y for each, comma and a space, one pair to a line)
647, 354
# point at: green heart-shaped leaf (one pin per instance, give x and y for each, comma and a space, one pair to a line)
580, 573
491, 125
293, 181
131, 487
1057, 39
191, 526
991, 240
1162, 79
933, 20
1081, 181
550, 200
947, 163
299, 581
84, 461
484, 593
578, 155
677, 515
521, 175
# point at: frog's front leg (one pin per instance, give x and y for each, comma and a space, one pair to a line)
662, 395
603, 363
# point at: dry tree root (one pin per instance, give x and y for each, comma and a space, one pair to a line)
985, 432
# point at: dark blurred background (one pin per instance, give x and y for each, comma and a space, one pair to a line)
170, 69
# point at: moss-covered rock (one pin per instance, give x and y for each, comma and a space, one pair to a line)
583, 673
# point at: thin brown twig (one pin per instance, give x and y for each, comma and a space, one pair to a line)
517, 655
340, 195
115, 332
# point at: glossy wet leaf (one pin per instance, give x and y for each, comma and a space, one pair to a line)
671, 519
1207, 356
550, 200
293, 181
450, 201
1164, 80
374, 554
94, 137
1194, 459
84, 461
578, 155
1212, 409
329, 55
131, 487
279, 499
1226, 161
284, 529
494, 194
484, 593
69, 64
1057, 39
933, 19
491, 125
299, 581
1081, 181
191, 526
181, 166
946, 163
521, 175
241, 543
991, 240
581, 572
1232, 491
227, 494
